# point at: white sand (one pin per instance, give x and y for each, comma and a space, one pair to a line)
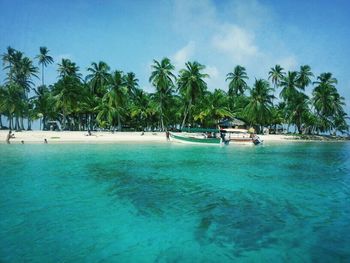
81, 137
103, 137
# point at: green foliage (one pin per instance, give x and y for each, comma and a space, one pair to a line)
237, 78
106, 98
191, 85
258, 110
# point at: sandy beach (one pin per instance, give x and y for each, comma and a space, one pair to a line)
105, 137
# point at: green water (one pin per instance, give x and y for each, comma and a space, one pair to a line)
175, 203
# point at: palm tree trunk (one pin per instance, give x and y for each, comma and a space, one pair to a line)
44, 122
17, 123
22, 123
119, 123
161, 115
161, 120
10, 122
63, 121
186, 113
42, 74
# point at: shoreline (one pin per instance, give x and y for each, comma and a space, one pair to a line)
120, 137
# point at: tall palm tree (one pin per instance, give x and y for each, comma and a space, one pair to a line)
43, 101
289, 84
276, 75
11, 103
117, 94
20, 71
24, 73
162, 78
67, 68
131, 83
304, 76
68, 93
44, 60
237, 78
324, 94
298, 109
191, 85
99, 77
106, 112
327, 102
140, 107
258, 110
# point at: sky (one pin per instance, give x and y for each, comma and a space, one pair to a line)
220, 34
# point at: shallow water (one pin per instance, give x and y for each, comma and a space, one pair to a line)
175, 203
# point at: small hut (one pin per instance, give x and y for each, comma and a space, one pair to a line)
233, 123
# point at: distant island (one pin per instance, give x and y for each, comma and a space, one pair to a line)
113, 100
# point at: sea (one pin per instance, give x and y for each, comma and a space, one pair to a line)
168, 202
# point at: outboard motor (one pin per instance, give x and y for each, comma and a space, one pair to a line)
223, 138
257, 140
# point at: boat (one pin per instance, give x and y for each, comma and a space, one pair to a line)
240, 136
197, 136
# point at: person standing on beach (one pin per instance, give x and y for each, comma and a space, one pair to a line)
9, 136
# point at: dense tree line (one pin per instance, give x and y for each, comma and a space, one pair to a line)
112, 99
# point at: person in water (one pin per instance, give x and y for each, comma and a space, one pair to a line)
167, 134
45, 141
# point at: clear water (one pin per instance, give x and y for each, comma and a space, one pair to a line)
175, 203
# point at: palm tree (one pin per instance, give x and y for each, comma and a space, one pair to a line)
140, 108
324, 94
162, 78
191, 85
20, 73
68, 68
43, 101
276, 75
327, 102
258, 110
68, 92
98, 77
298, 109
277, 115
237, 78
44, 60
117, 94
11, 103
106, 112
289, 85
304, 76
25, 71
131, 83
213, 108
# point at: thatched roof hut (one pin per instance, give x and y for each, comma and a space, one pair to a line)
234, 122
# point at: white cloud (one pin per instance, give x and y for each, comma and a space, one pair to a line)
228, 34
289, 63
191, 16
249, 13
236, 42
212, 71
215, 80
183, 55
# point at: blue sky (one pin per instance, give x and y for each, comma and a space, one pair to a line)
128, 35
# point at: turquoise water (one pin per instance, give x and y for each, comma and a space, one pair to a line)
175, 203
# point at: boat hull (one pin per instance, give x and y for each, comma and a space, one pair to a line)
194, 140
